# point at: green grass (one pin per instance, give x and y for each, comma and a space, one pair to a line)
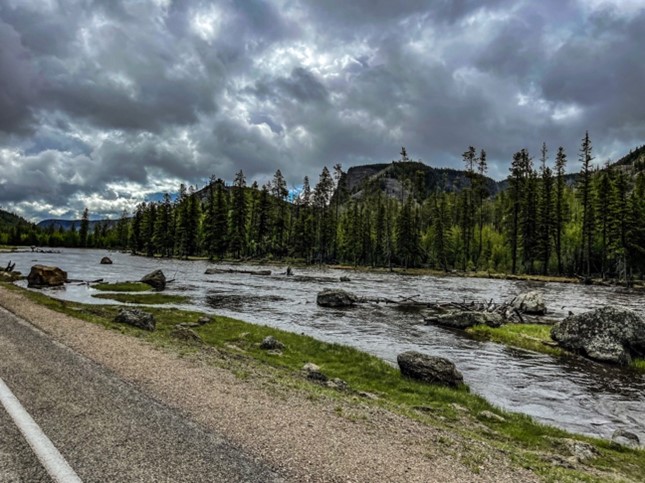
525, 441
123, 287
144, 298
533, 337
526, 336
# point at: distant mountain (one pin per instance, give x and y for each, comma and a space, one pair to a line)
66, 225
9, 220
400, 178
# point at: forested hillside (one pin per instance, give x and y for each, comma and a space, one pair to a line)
13, 229
544, 221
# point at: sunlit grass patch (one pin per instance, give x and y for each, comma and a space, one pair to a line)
122, 287
144, 298
533, 337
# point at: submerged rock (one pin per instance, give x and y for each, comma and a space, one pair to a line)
425, 368
465, 319
44, 276
608, 334
156, 280
137, 318
106, 261
335, 298
531, 303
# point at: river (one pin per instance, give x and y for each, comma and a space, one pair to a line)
572, 393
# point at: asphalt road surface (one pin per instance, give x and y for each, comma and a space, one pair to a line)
106, 429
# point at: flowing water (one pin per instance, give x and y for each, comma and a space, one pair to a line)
572, 393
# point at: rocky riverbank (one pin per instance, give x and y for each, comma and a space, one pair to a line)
318, 433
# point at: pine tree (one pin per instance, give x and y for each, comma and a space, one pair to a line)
121, 230
279, 217
482, 193
585, 196
84, 231
601, 198
515, 181
163, 237
264, 215
220, 220
325, 228
407, 235
620, 224
468, 215
545, 211
560, 206
304, 226
208, 223
136, 236
440, 229
529, 214
148, 229
238, 228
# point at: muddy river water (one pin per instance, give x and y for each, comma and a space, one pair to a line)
572, 393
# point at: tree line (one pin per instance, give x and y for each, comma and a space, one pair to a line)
541, 223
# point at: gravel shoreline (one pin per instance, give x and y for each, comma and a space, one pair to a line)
304, 439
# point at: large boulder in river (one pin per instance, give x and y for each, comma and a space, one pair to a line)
156, 280
106, 261
608, 334
137, 318
466, 318
531, 303
425, 368
44, 276
335, 298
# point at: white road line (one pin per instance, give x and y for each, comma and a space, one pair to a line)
51, 459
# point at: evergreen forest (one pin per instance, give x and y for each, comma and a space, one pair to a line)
553, 215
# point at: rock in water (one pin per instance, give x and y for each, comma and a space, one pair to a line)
465, 319
106, 261
608, 334
425, 368
626, 438
156, 280
531, 303
43, 276
137, 318
335, 298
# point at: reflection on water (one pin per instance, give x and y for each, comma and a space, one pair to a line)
571, 393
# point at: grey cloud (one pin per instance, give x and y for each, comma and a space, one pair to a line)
124, 94
19, 82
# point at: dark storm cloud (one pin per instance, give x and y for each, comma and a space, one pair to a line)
18, 81
103, 103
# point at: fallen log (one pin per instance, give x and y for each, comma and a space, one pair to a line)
213, 271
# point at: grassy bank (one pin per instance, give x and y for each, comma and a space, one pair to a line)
529, 336
144, 298
529, 444
123, 287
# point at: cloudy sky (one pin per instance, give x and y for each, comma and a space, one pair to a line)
104, 103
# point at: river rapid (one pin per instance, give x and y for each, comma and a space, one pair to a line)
572, 393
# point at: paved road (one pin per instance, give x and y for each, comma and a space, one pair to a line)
105, 428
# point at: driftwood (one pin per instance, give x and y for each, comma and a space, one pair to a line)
213, 271
74, 280
10, 267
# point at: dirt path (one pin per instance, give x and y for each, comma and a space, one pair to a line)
320, 440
